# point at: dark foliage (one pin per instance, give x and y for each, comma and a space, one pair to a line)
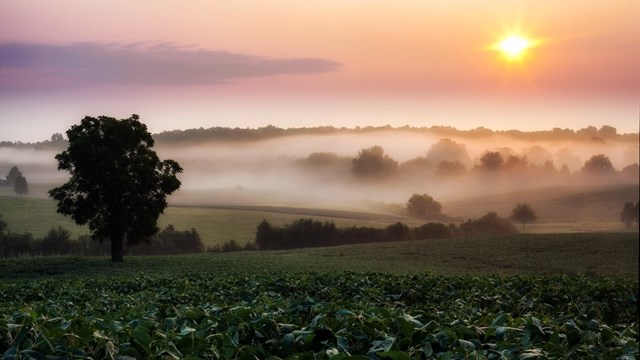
118, 185
491, 161
629, 213
20, 186
489, 224
433, 230
58, 241
372, 163
231, 245
13, 174
313, 233
424, 207
523, 213
598, 165
3, 225
14, 244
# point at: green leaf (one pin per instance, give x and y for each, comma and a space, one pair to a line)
32, 354
531, 354
468, 345
526, 339
394, 355
499, 320
142, 337
171, 350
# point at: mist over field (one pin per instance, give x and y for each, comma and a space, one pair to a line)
318, 170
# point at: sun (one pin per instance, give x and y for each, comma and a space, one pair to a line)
514, 47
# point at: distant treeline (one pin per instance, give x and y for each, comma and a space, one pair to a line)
58, 241
313, 233
589, 134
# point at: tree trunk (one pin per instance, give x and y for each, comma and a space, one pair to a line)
117, 249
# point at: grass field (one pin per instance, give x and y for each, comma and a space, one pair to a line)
561, 210
605, 254
215, 224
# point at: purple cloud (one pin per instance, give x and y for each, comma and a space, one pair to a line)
26, 65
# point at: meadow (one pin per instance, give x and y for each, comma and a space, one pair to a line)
560, 210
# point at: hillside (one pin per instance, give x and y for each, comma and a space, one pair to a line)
566, 209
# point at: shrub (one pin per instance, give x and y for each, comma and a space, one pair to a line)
433, 230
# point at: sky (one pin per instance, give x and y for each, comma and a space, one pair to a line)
291, 63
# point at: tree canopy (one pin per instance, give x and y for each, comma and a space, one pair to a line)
523, 213
20, 186
13, 174
629, 213
491, 161
598, 165
118, 185
424, 206
373, 163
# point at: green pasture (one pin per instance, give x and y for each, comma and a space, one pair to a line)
214, 224
560, 210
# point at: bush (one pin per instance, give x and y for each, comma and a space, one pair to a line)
433, 230
231, 245
57, 242
14, 244
489, 224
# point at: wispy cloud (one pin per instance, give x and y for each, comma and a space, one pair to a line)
33, 66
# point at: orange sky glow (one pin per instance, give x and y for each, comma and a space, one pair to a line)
250, 63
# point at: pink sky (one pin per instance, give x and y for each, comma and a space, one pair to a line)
250, 63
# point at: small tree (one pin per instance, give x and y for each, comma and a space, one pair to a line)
13, 174
20, 186
629, 213
424, 206
118, 185
523, 213
57, 241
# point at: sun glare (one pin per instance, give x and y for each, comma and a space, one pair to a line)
514, 47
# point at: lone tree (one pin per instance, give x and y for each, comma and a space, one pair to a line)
424, 206
13, 174
118, 185
629, 213
20, 186
523, 213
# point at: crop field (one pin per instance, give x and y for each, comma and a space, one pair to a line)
606, 254
202, 314
400, 300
